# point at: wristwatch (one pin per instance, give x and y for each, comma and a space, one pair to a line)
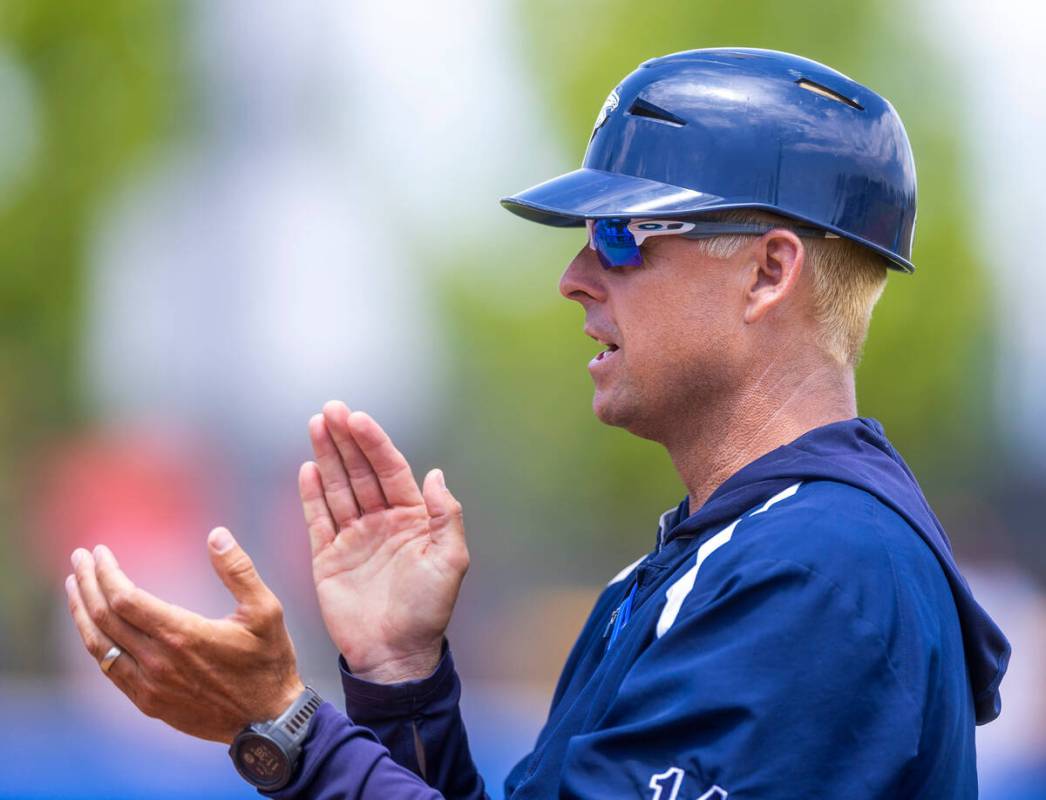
266, 753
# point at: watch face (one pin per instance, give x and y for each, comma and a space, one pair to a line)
261, 761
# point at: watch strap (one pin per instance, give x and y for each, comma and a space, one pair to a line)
294, 722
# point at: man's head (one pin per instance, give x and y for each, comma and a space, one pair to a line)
701, 324
746, 136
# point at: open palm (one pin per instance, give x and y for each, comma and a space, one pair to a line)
388, 558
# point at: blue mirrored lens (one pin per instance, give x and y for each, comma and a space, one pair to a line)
615, 245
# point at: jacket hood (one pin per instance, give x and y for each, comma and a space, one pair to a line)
857, 452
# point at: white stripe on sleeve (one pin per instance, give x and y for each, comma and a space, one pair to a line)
777, 498
678, 591
626, 571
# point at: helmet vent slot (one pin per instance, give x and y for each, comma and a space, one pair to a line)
643, 108
824, 91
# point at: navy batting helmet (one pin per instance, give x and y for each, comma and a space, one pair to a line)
707, 130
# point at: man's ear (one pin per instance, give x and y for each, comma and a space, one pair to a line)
776, 263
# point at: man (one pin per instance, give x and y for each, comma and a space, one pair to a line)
800, 628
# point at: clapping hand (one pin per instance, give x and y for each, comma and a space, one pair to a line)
388, 558
205, 677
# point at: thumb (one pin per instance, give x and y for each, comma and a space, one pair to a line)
444, 510
236, 569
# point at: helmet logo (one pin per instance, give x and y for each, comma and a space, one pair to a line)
611, 103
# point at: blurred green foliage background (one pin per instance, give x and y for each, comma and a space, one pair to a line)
519, 436
104, 90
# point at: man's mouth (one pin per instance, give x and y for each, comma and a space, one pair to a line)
609, 347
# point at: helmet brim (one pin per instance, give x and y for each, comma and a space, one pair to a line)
570, 199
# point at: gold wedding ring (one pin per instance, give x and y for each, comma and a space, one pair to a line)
109, 658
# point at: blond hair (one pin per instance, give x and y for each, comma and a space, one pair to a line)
848, 280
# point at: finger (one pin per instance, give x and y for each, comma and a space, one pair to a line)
317, 515
392, 469
237, 571
336, 491
445, 518
365, 484
124, 670
96, 642
98, 608
146, 612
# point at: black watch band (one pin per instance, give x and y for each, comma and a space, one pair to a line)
266, 753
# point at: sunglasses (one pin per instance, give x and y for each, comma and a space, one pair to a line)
617, 241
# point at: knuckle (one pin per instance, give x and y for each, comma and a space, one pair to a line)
100, 614
174, 640
149, 664
268, 617
95, 646
272, 610
159, 669
241, 567
122, 601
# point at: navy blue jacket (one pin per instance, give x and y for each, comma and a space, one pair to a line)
806, 633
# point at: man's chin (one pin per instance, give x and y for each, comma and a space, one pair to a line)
616, 411
611, 410
603, 408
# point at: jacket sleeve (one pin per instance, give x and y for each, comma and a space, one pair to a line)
420, 723
344, 761
400, 742
772, 685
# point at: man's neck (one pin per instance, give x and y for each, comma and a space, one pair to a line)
765, 415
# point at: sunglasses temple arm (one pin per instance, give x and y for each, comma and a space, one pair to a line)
710, 229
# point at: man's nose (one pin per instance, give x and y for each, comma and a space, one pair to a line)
584, 279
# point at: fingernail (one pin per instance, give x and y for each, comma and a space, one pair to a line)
77, 557
101, 551
221, 540
70, 582
441, 478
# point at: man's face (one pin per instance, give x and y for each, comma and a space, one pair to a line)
671, 332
